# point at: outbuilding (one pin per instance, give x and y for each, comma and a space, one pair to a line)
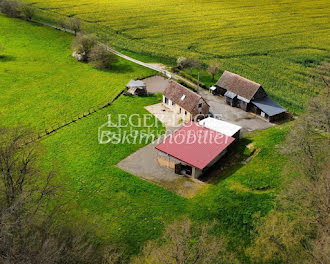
268, 109
249, 96
229, 129
193, 149
137, 87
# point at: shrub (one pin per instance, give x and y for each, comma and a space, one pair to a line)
10, 8
191, 63
82, 46
27, 11
101, 58
213, 68
181, 61
74, 24
62, 23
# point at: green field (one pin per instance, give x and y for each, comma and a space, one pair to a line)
42, 85
271, 42
121, 207
112, 204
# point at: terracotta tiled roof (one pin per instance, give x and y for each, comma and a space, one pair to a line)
195, 145
182, 96
238, 85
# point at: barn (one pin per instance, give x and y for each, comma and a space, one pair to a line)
184, 102
192, 149
249, 96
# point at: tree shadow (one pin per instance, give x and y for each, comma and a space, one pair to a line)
118, 68
121, 68
4, 58
229, 164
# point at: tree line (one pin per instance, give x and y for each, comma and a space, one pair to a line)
297, 229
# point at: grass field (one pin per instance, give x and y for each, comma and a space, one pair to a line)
271, 42
123, 208
42, 85
115, 205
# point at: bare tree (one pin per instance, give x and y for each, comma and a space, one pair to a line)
62, 23
25, 193
213, 68
306, 143
181, 61
193, 63
82, 46
101, 58
298, 229
308, 202
190, 63
27, 11
74, 24
10, 8
278, 240
113, 255
30, 210
183, 243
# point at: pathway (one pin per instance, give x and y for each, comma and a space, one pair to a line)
141, 63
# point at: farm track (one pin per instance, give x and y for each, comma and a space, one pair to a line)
121, 55
49, 131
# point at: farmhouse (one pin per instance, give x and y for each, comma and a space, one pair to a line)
249, 96
192, 149
184, 102
228, 129
137, 88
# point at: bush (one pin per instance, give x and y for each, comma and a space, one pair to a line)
82, 46
62, 23
213, 69
10, 8
74, 24
101, 58
27, 11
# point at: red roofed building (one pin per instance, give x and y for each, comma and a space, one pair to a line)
192, 149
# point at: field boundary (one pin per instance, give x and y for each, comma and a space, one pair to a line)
74, 119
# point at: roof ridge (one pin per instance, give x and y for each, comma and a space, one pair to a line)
243, 77
186, 88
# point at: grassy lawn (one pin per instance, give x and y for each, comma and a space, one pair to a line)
42, 85
120, 206
123, 208
271, 42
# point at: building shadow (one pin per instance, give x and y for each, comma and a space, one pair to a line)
229, 164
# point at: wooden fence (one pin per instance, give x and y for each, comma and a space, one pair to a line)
52, 129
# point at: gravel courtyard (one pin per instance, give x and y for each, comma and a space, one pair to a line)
143, 163
156, 84
248, 121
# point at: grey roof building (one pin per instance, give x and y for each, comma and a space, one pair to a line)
249, 96
268, 106
137, 87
